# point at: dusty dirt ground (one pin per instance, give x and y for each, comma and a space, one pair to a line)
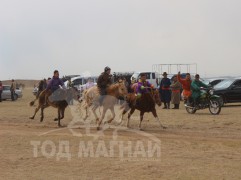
200, 146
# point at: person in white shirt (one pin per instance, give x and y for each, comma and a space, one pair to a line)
89, 84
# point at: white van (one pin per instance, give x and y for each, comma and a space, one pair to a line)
80, 81
152, 77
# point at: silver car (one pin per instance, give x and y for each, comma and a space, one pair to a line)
6, 93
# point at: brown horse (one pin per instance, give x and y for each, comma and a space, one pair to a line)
145, 104
91, 97
60, 99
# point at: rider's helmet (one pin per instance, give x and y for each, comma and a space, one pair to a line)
107, 69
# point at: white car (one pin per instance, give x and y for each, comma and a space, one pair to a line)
152, 77
80, 81
35, 91
6, 93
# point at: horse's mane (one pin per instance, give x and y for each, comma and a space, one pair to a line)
114, 86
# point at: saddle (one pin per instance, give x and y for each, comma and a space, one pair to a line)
58, 95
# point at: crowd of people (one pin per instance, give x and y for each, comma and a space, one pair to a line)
171, 91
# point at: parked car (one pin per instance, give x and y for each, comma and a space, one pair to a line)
152, 77
214, 81
35, 91
80, 81
229, 90
6, 93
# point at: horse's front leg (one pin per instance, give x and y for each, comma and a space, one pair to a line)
113, 114
96, 117
141, 119
59, 113
42, 114
129, 116
157, 119
125, 110
102, 117
36, 110
86, 112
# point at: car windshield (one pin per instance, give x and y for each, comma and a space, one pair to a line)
224, 84
6, 88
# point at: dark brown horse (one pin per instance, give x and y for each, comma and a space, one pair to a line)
146, 103
59, 99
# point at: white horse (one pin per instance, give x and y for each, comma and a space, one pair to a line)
91, 97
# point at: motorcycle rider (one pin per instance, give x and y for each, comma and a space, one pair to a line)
196, 89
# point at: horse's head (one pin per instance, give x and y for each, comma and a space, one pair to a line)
122, 89
118, 89
72, 94
156, 97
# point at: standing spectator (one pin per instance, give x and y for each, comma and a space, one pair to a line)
176, 92
165, 91
89, 84
1, 90
12, 89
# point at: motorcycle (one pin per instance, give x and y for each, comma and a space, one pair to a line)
206, 100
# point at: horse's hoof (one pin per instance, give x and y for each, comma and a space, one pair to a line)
109, 121
31, 117
97, 120
59, 125
98, 128
56, 119
164, 127
41, 120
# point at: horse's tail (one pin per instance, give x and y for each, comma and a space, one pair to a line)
37, 97
32, 102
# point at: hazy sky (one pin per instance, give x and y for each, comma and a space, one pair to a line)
75, 36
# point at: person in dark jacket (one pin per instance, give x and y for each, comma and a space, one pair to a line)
53, 85
13, 89
103, 82
165, 91
196, 88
